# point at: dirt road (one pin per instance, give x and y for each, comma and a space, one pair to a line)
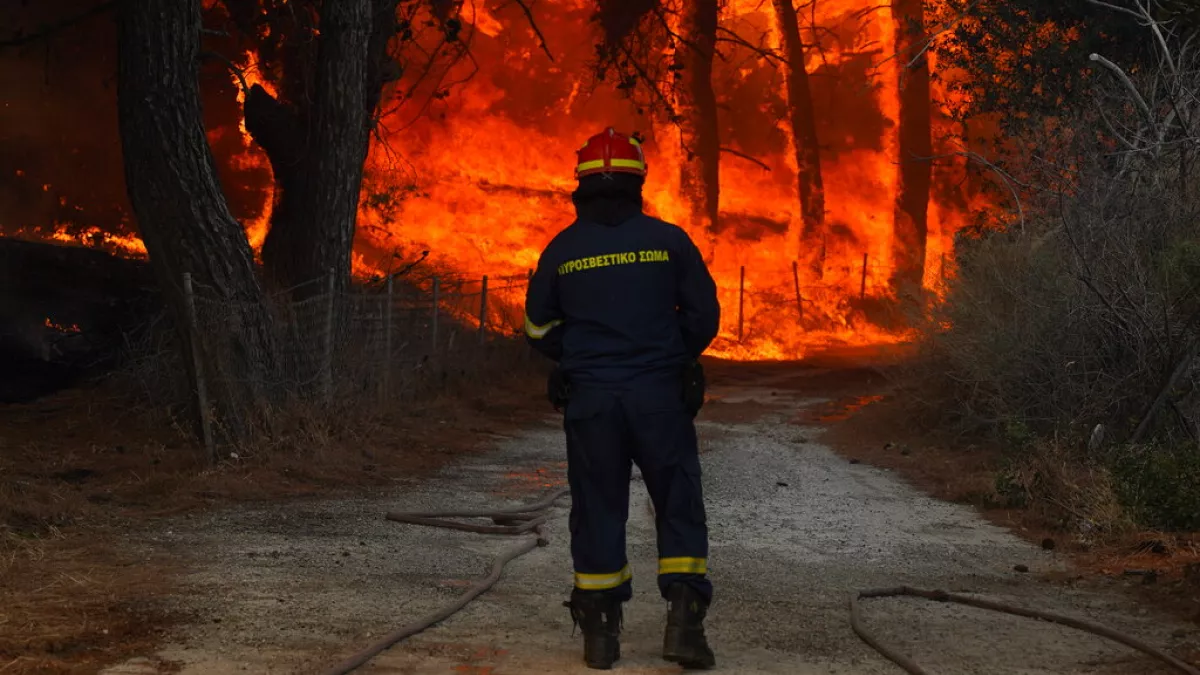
795, 528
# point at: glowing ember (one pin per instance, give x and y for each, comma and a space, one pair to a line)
73, 328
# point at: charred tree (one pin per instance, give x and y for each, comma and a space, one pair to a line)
316, 134
810, 187
699, 178
317, 189
181, 212
911, 224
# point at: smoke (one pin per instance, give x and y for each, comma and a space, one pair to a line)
60, 150
60, 155
619, 18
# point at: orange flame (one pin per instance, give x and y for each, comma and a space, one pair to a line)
487, 181
91, 237
481, 176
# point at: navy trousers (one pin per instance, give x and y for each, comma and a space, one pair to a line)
607, 431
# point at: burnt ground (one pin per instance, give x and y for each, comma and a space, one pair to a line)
82, 470
66, 313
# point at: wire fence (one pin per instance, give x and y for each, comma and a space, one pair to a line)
400, 336
374, 343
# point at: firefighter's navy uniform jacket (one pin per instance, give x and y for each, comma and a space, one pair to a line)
624, 307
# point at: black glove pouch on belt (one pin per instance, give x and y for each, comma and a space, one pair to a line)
557, 389
693, 388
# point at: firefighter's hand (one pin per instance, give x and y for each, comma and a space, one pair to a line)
557, 389
694, 386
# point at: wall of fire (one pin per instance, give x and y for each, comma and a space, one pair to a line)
481, 177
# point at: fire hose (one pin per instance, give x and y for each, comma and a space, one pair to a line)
529, 518
519, 520
942, 596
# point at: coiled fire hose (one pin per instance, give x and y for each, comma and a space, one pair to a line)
530, 517
518, 520
942, 596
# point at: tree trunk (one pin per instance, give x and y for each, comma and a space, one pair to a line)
810, 187
911, 225
317, 155
699, 178
316, 136
181, 211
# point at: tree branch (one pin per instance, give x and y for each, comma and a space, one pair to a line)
241, 76
1117, 8
1180, 370
928, 42
410, 266
18, 40
746, 157
1146, 19
653, 84
1112, 128
536, 31
736, 39
945, 29
1009, 181
1137, 96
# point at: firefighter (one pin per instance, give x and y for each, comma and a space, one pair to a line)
624, 305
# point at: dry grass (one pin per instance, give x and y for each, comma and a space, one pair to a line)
78, 457
1066, 489
1162, 569
1157, 569
80, 470
74, 603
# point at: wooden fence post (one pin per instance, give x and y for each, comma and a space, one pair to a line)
862, 291
799, 299
483, 288
741, 302
201, 387
433, 326
387, 338
327, 356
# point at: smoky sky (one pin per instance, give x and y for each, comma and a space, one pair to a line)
60, 151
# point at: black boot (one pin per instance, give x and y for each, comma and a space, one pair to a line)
599, 616
684, 642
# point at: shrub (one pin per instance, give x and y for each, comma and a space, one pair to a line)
1082, 313
1160, 486
1070, 490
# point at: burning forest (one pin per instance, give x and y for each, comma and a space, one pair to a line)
811, 151
282, 250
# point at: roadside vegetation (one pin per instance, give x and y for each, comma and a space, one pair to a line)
82, 469
1069, 329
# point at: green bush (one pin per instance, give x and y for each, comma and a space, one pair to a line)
1160, 486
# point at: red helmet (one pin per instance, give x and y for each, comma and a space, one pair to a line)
609, 151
